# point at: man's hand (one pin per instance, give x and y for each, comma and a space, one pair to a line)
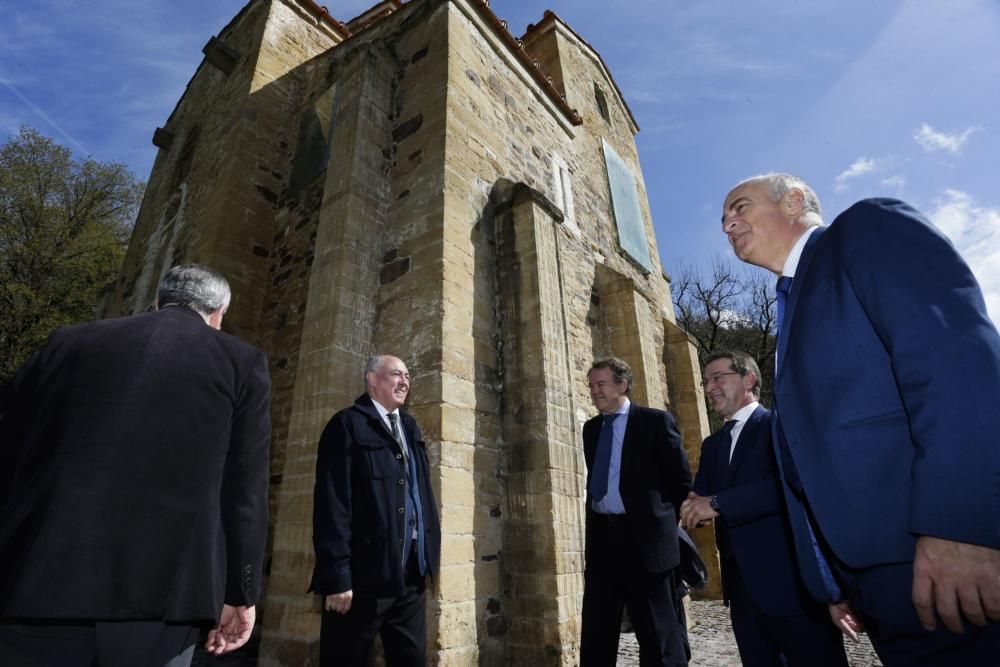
957, 579
845, 620
233, 630
339, 602
695, 511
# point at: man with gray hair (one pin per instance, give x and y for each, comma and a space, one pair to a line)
887, 366
376, 532
133, 486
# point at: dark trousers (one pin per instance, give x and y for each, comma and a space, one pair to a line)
614, 579
117, 644
806, 640
882, 597
347, 639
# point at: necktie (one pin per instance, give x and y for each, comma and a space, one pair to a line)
788, 464
602, 460
727, 436
394, 425
781, 292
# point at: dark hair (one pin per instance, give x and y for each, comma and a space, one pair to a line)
741, 362
620, 370
195, 286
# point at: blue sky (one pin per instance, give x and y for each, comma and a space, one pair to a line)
859, 97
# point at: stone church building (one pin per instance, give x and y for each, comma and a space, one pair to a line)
419, 181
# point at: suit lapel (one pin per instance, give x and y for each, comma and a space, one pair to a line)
722, 459
365, 405
627, 438
747, 435
801, 274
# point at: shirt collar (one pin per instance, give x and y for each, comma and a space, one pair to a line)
382, 412
744, 413
792, 261
623, 409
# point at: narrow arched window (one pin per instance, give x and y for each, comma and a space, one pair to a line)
602, 103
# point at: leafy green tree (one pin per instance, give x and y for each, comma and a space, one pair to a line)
729, 307
64, 225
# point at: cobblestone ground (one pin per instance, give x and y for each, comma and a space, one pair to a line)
712, 645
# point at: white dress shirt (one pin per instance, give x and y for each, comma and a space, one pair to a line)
740, 417
612, 503
795, 254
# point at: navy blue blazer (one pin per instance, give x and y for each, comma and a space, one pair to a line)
888, 369
752, 527
358, 519
655, 480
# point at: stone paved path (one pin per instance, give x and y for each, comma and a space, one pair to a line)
712, 645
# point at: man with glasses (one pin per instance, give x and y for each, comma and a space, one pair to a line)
737, 486
637, 477
887, 374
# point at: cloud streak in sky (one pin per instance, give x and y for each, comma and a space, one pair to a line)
44, 116
860, 167
975, 231
897, 182
931, 140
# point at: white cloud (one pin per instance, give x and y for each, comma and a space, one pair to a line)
932, 140
897, 182
861, 166
975, 231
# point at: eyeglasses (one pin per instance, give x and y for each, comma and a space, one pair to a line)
715, 378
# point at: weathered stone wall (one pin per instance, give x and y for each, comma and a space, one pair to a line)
211, 195
502, 131
461, 221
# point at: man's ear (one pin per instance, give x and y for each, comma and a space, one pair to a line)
215, 317
793, 201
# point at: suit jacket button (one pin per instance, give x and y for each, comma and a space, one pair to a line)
399, 456
402, 482
401, 510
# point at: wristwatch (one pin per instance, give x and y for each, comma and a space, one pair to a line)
713, 502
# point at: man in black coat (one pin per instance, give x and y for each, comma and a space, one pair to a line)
638, 476
375, 526
133, 486
737, 486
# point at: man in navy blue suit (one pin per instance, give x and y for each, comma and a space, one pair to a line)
637, 477
737, 486
887, 370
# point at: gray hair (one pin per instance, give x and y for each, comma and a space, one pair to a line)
195, 286
371, 366
620, 370
779, 183
741, 362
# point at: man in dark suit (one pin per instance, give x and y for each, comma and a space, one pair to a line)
737, 486
375, 526
133, 486
888, 367
637, 478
